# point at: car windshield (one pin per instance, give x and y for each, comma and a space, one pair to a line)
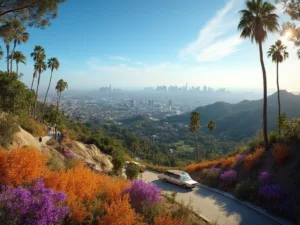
186, 177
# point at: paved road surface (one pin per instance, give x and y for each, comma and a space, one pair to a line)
213, 206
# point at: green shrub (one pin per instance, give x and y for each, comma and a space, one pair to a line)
54, 163
132, 171
171, 197
71, 163
183, 210
247, 190
118, 161
152, 211
8, 127
291, 130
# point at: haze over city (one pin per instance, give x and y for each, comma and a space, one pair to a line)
136, 44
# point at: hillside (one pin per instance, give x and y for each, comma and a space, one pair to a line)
89, 154
244, 119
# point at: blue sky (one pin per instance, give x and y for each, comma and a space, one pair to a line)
134, 43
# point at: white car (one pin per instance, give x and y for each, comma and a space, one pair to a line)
178, 177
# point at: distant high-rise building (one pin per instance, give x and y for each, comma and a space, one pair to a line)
170, 105
132, 103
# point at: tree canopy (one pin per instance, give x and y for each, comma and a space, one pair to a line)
37, 13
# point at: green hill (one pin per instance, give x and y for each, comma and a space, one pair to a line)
244, 119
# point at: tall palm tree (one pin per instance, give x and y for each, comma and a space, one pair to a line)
40, 67
53, 64
211, 126
279, 54
18, 35
19, 58
37, 54
60, 87
194, 128
256, 21
5, 33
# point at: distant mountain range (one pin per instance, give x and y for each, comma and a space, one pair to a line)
244, 119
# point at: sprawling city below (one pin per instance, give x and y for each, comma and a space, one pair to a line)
114, 104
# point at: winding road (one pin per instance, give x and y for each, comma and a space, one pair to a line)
214, 206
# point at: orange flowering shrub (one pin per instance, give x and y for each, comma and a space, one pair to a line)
82, 187
168, 220
21, 166
120, 212
228, 162
203, 165
280, 153
251, 160
113, 189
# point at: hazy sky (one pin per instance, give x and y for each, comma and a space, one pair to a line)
137, 43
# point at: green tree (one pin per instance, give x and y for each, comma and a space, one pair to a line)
40, 67
291, 30
279, 54
7, 38
256, 21
36, 13
37, 54
14, 95
211, 126
118, 161
132, 171
292, 8
53, 64
60, 87
17, 33
282, 121
135, 146
194, 128
19, 58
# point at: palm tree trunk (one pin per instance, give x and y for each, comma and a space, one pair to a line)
37, 94
17, 66
46, 96
12, 57
197, 148
7, 56
32, 83
265, 125
278, 95
57, 107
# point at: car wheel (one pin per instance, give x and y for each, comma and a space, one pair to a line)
184, 186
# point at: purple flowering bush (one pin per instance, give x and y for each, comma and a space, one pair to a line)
141, 194
211, 176
214, 170
36, 205
69, 155
264, 178
270, 192
228, 176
